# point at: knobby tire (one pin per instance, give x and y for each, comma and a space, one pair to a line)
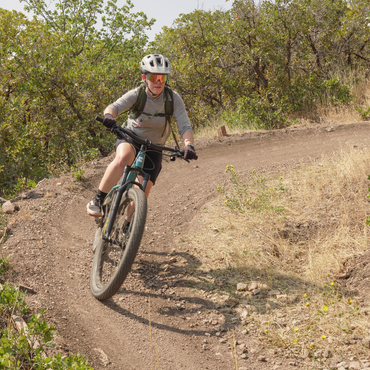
105, 287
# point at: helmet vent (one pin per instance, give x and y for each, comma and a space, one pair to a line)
159, 61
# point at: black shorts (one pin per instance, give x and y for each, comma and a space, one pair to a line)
153, 158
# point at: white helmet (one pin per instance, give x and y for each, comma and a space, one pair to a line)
155, 63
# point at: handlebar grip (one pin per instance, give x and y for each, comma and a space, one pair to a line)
100, 119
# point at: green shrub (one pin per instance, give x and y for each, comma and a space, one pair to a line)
336, 92
364, 113
18, 349
78, 173
257, 112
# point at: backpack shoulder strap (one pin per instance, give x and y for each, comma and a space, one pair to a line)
168, 108
139, 105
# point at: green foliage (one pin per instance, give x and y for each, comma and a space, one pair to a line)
4, 265
364, 113
254, 195
78, 173
262, 61
18, 349
336, 92
58, 72
23, 184
11, 296
256, 112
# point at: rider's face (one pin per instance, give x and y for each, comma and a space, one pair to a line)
155, 82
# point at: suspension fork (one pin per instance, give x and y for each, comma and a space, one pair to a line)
135, 170
127, 181
108, 225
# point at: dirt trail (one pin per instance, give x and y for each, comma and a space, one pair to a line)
50, 252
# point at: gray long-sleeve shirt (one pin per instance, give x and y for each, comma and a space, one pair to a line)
154, 129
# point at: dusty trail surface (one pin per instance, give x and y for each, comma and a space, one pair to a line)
50, 249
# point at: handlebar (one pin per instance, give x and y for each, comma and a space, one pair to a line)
118, 130
121, 132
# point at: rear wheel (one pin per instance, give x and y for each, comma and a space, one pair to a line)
113, 259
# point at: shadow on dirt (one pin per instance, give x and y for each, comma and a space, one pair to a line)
214, 291
166, 310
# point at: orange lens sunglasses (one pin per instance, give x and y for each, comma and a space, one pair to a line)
154, 77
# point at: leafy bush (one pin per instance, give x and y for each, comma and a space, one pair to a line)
256, 112
364, 113
27, 349
336, 92
261, 60
54, 80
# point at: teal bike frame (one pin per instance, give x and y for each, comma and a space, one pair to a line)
128, 179
132, 174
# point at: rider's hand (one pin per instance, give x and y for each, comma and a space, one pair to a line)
189, 152
109, 122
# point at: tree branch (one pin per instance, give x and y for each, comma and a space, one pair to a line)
256, 67
313, 47
69, 100
361, 57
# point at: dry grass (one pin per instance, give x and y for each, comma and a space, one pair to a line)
327, 113
294, 238
324, 114
321, 223
233, 349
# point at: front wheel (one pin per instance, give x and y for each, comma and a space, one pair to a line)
113, 259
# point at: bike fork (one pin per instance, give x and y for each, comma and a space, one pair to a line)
113, 212
127, 181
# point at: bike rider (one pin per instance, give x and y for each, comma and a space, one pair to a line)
155, 69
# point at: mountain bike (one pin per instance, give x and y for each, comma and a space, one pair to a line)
121, 227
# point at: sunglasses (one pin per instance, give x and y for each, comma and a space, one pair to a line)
153, 77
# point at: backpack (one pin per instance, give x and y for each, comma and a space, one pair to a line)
138, 108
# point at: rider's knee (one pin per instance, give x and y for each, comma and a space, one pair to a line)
122, 160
